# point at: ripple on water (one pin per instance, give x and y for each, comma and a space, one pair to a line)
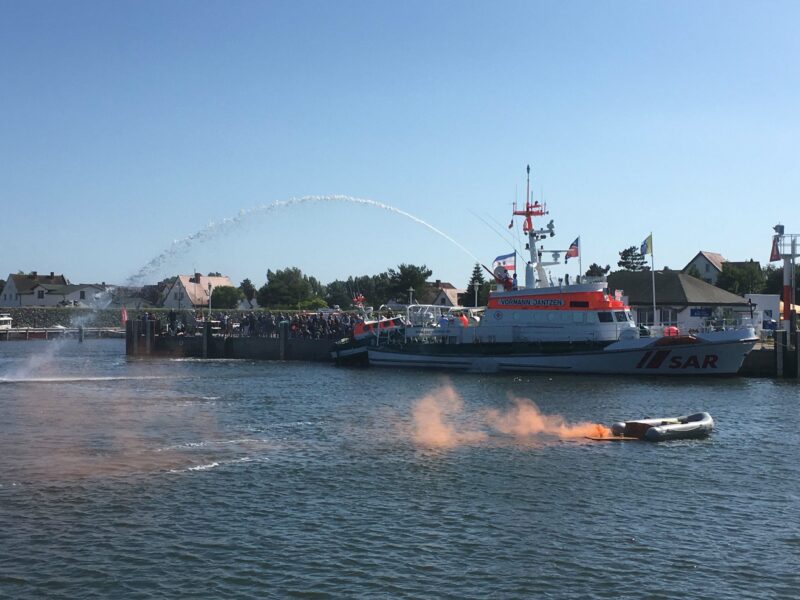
248, 484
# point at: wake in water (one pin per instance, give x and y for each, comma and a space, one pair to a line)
440, 421
20, 380
214, 230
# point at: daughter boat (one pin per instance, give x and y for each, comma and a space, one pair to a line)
542, 327
694, 426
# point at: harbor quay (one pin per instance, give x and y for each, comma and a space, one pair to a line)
151, 339
148, 338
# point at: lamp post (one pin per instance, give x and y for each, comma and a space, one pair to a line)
410, 291
475, 287
209, 301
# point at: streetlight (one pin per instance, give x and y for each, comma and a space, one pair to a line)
475, 287
209, 301
410, 291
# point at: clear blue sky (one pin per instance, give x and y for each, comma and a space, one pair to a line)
127, 125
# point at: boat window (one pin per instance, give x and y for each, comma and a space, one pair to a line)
579, 317
620, 316
579, 304
551, 316
605, 317
591, 317
565, 316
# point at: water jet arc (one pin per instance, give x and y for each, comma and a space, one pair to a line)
214, 229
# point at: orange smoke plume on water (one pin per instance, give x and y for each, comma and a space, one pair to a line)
525, 419
433, 420
437, 417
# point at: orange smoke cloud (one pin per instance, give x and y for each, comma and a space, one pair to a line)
437, 417
525, 419
434, 416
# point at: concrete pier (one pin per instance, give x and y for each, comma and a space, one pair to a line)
146, 340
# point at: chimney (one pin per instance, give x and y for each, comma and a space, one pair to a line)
52, 275
197, 277
34, 274
438, 283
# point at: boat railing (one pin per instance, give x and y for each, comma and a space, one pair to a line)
682, 328
592, 279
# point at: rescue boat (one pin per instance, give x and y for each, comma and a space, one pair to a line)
353, 350
698, 425
542, 326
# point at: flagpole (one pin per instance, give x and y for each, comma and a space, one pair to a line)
580, 260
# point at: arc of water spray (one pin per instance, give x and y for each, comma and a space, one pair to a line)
212, 230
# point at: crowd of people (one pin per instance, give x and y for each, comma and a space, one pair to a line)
304, 325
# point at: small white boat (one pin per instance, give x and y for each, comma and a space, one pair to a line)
5, 321
698, 425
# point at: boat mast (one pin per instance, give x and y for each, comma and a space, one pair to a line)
534, 209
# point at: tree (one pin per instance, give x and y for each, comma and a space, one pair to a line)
630, 259
477, 280
287, 288
248, 289
226, 296
773, 280
153, 293
410, 276
374, 288
215, 274
694, 272
596, 270
741, 279
317, 288
313, 304
337, 294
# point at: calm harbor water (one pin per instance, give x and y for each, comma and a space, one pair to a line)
236, 479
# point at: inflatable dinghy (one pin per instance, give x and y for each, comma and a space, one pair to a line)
698, 425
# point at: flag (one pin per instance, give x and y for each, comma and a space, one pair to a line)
775, 254
647, 245
574, 249
511, 224
507, 261
123, 315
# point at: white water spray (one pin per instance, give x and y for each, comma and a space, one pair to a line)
215, 229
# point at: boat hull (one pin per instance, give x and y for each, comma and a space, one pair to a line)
696, 426
703, 358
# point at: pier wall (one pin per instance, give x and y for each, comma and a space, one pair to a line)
141, 340
759, 363
37, 317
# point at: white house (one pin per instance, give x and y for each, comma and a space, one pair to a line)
708, 265
447, 293
79, 294
767, 308
193, 291
19, 289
